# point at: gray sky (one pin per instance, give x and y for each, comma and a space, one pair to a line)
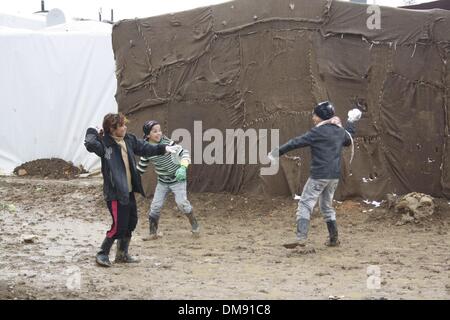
124, 9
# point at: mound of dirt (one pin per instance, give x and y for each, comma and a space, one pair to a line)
53, 168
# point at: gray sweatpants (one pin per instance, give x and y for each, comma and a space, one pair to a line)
161, 191
317, 189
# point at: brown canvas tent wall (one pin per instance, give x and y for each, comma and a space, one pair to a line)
266, 63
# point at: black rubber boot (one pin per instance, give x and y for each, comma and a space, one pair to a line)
102, 257
333, 240
302, 234
194, 224
153, 229
122, 255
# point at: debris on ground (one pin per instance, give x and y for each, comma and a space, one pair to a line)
53, 168
331, 297
414, 207
29, 238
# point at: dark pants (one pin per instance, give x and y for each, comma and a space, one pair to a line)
124, 218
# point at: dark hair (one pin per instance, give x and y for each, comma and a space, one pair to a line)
112, 121
324, 110
148, 125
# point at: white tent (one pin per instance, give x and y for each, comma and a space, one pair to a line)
54, 83
30, 22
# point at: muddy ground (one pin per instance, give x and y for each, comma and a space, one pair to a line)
52, 168
51, 230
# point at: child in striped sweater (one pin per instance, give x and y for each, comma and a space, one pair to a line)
171, 177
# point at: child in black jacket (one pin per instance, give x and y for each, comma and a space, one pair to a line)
117, 150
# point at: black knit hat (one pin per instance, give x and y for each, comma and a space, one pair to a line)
324, 110
148, 125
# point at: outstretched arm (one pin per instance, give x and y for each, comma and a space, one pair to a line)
143, 148
298, 142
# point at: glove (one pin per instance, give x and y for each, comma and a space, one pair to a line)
273, 155
354, 115
99, 130
180, 174
172, 149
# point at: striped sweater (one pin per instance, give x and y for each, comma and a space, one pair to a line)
165, 166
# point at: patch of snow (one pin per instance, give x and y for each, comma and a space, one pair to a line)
374, 203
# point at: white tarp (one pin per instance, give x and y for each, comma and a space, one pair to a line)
30, 22
54, 84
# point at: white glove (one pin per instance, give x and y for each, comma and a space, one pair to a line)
172, 149
273, 159
99, 130
354, 115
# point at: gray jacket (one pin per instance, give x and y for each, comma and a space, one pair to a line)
326, 142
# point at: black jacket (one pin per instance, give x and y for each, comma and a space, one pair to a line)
115, 185
326, 142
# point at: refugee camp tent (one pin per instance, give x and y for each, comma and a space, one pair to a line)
265, 63
440, 4
54, 83
30, 22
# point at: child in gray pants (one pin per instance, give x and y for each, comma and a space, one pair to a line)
326, 141
171, 178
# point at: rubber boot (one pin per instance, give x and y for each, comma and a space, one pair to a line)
102, 257
302, 234
194, 224
333, 240
122, 255
153, 229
